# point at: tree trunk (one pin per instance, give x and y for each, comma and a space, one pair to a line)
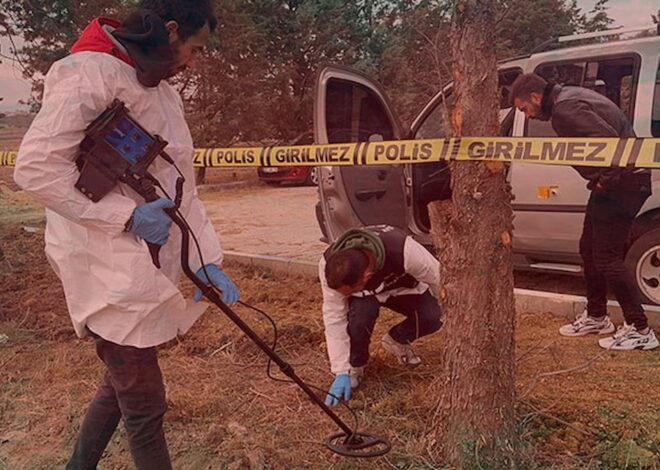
200, 177
475, 415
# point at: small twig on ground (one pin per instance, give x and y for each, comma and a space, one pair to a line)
222, 348
476, 456
27, 312
542, 375
547, 409
577, 368
2, 365
390, 463
6, 259
527, 354
559, 420
267, 397
628, 455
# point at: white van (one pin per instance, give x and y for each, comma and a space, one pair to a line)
549, 201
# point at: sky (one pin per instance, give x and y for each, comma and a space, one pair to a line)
13, 87
626, 13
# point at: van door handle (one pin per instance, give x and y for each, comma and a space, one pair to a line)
366, 194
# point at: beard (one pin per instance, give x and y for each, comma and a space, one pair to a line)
538, 113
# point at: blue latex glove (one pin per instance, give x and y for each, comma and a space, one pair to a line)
341, 388
230, 294
151, 223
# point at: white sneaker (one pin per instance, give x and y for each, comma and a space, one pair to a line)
585, 325
356, 374
628, 338
403, 352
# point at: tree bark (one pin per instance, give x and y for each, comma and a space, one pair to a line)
200, 176
472, 232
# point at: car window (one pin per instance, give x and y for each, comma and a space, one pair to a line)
655, 119
615, 78
357, 114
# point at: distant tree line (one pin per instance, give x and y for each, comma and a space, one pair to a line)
256, 79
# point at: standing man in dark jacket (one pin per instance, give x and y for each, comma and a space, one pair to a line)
617, 194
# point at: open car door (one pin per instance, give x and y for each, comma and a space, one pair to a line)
349, 107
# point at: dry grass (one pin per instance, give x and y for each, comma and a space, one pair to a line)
225, 413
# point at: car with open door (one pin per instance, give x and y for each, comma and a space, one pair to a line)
549, 200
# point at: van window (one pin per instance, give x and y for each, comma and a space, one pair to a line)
615, 78
357, 114
433, 126
655, 118
431, 181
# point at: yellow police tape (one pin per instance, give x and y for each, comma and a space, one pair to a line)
598, 152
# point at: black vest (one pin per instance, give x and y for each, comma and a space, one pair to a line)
393, 274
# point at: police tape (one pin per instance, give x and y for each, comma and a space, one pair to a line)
596, 152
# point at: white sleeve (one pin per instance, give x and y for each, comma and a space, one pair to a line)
335, 319
75, 94
421, 264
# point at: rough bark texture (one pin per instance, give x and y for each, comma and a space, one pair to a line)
475, 415
200, 175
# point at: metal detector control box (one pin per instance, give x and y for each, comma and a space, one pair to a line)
115, 147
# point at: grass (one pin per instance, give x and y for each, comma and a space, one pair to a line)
224, 413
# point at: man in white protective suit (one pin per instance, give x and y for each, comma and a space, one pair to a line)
113, 290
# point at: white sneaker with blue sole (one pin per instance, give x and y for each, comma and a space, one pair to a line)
585, 325
627, 338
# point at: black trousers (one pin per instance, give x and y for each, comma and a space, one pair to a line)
132, 389
605, 239
422, 314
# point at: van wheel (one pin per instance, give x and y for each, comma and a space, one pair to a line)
643, 260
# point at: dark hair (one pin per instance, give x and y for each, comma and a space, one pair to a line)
190, 15
345, 267
525, 85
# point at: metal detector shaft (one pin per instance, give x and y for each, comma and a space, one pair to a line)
213, 296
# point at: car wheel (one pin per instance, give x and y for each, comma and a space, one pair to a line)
312, 177
643, 260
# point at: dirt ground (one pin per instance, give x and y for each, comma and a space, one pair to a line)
224, 413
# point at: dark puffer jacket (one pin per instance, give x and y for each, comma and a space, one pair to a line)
580, 112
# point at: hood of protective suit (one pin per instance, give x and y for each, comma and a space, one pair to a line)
95, 38
141, 40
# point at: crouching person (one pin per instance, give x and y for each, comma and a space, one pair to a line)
363, 270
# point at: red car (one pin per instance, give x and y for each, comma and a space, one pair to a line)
302, 175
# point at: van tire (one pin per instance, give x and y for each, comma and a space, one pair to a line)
643, 261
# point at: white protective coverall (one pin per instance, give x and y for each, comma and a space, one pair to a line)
110, 282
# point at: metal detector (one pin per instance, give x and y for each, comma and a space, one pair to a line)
117, 149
